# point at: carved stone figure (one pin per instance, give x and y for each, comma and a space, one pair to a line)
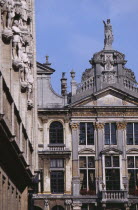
24, 13
17, 41
30, 81
8, 13
108, 35
108, 62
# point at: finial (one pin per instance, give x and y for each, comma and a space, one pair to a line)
108, 33
47, 61
72, 74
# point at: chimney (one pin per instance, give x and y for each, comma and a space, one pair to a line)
73, 83
63, 84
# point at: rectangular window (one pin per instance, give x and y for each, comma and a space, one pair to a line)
132, 133
132, 165
56, 163
87, 175
57, 182
112, 172
86, 134
110, 133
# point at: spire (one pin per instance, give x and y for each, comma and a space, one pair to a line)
108, 33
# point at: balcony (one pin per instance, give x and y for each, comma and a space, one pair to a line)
119, 196
56, 149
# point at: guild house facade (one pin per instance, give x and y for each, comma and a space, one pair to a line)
88, 139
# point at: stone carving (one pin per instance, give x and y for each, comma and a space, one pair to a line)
121, 125
109, 62
17, 41
108, 35
30, 81
109, 77
46, 203
99, 126
74, 126
8, 13
68, 202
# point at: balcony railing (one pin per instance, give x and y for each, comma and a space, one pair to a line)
56, 149
119, 195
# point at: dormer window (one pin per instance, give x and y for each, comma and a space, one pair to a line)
56, 133
86, 134
110, 133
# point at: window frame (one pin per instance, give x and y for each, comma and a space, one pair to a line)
86, 133
133, 133
87, 169
110, 133
111, 167
57, 141
134, 169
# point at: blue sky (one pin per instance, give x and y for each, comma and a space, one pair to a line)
71, 31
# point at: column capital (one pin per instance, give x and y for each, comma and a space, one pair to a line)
99, 125
74, 126
121, 125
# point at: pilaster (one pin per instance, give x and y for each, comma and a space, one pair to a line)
75, 162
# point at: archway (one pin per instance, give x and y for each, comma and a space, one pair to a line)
37, 208
57, 208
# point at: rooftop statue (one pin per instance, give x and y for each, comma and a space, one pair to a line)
109, 38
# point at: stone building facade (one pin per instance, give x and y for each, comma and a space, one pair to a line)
88, 139
18, 105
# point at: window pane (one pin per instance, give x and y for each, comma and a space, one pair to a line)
57, 182
112, 179
107, 133
130, 162
83, 179
108, 161
82, 134
129, 133
131, 180
90, 134
53, 163
136, 162
91, 162
113, 133
82, 162
115, 161
56, 132
136, 133
60, 163
91, 181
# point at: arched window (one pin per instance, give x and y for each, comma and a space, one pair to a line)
56, 133
57, 208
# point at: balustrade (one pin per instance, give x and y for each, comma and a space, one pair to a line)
114, 195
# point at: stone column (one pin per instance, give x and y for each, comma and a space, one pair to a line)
75, 162
46, 204
121, 127
68, 203
99, 144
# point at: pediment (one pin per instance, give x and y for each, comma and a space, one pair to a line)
132, 151
111, 151
86, 151
106, 98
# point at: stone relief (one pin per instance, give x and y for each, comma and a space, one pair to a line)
16, 28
